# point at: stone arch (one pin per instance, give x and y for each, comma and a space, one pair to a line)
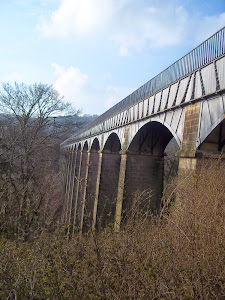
85, 145
174, 134
114, 139
151, 138
211, 115
109, 181
215, 140
136, 127
76, 183
95, 142
145, 166
91, 184
81, 184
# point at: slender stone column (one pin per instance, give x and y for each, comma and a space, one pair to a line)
85, 191
119, 202
97, 191
187, 154
68, 184
77, 192
121, 183
71, 204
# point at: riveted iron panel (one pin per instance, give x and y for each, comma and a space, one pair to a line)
145, 110
157, 102
190, 89
180, 126
209, 79
169, 116
198, 86
164, 98
215, 108
182, 89
172, 94
176, 119
151, 103
221, 72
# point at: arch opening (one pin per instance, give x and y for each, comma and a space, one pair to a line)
112, 144
145, 167
95, 147
74, 183
171, 161
81, 185
85, 147
91, 185
215, 141
108, 182
152, 138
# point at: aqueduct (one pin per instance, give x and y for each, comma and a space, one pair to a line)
122, 151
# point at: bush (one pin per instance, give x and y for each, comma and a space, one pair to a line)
177, 256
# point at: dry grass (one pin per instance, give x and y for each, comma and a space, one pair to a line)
178, 256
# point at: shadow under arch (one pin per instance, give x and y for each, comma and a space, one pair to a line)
95, 146
110, 168
215, 141
85, 146
151, 138
145, 167
80, 181
91, 185
112, 144
73, 196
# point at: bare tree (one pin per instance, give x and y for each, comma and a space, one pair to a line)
29, 177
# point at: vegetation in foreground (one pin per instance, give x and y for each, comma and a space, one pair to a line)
177, 255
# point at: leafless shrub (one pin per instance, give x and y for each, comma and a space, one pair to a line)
177, 256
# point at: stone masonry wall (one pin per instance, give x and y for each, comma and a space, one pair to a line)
143, 172
108, 189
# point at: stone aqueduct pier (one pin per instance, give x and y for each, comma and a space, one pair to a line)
122, 151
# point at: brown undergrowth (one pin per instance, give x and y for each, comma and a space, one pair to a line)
177, 255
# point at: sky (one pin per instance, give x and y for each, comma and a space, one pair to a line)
96, 52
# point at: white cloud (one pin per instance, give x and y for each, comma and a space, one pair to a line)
74, 86
130, 25
71, 83
152, 26
77, 17
12, 77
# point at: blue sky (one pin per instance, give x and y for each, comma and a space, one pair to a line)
96, 52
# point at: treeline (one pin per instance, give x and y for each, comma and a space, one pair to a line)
31, 179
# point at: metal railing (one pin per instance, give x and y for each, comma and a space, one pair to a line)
206, 52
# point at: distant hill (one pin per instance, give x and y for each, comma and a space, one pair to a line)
62, 126
69, 125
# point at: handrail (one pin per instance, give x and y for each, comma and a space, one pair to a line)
203, 54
